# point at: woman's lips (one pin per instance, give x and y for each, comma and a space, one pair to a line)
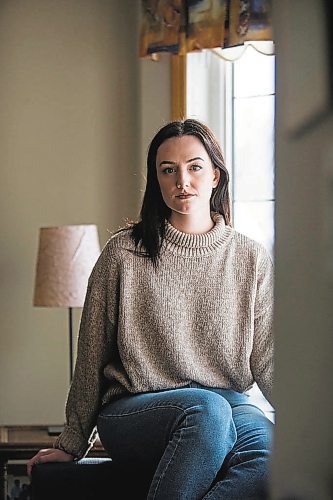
184, 196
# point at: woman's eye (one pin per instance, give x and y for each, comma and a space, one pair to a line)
168, 170
196, 167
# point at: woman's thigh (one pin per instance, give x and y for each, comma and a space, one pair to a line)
140, 426
254, 429
245, 471
254, 438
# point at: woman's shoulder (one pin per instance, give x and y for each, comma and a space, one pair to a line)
244, 245
120, 240
119, 245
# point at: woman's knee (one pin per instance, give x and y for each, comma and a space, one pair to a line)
212, 416
211, 405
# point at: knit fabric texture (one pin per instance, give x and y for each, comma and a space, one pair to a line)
204, 315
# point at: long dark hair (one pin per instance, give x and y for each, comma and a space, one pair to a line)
149, 232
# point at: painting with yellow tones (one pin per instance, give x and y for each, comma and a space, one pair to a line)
206, 24
250, 20
181, 26
162, 27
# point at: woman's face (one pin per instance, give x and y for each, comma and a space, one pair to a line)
185, 174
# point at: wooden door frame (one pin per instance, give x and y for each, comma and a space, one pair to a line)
178, 87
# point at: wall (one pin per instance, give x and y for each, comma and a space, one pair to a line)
155, 99
303, 463
69, 154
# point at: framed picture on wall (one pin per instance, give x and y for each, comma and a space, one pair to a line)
18, 483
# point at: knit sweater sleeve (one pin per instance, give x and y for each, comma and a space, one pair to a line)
97, 329
263, 344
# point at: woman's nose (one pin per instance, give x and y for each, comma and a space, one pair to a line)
182, 180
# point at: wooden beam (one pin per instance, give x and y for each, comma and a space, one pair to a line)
178, 87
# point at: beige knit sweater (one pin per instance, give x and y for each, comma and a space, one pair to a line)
205, 315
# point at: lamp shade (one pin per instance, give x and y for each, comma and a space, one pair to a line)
66, 256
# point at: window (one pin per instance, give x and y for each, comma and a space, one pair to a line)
233, 92
236, 99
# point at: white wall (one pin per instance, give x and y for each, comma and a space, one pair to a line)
77, 110
303, 459
69, 148
155, 99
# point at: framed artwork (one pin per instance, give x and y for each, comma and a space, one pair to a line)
18, 483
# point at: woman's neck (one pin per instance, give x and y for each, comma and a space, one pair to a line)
191, 223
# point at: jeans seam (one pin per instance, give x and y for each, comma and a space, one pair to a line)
136, 412
211, 492
162, 475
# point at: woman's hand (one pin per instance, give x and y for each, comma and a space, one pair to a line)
48, 455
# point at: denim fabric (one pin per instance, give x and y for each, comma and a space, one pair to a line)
196, 442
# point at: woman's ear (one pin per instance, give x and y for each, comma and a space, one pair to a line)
216, 178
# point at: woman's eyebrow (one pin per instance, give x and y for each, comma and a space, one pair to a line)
196, 158
168, 162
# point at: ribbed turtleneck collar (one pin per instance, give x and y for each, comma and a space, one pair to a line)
191, 245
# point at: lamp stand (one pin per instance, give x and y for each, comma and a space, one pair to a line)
55, 430
70, 324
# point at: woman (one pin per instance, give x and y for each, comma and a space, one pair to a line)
175, 328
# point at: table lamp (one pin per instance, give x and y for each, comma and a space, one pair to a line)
66, 256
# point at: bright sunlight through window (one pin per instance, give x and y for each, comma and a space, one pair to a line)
233, 92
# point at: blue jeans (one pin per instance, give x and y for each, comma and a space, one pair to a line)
196, 442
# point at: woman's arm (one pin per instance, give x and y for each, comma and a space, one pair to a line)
97, 328
262, 356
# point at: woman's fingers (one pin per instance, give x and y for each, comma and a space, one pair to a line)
48, 455
38, 458
46, 451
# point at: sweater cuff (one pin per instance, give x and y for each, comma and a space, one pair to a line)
70, 442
